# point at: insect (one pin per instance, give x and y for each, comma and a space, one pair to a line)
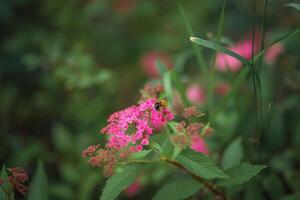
160, 104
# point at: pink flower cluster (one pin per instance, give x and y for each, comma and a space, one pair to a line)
134, 125
17, 178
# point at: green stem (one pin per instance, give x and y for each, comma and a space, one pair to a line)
206, 184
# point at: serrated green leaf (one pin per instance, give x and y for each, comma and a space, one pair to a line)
233, 154
39, 187
293, 5
179, 189
217, 47
200, 164
120, 181
240, 174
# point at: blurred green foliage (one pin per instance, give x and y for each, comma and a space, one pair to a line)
66, 65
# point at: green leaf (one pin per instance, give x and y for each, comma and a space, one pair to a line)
240, 174
156, 147
160, 66
140, 154
200, 164
5, 185
120, 181
293, 5
233, 154
63, 140
178, 189
168, 86
88, 184
198, 51
39, 186
217, 47
173, 126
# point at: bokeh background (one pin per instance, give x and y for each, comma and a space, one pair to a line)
66, 65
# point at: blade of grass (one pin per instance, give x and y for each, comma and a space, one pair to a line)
198, 52
168, 87
260, 110
293, 5
280, 39
213, 69
217, 47
255, 76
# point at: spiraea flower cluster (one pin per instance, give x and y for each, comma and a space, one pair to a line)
190, 133
17, 178
135, 124
128, 131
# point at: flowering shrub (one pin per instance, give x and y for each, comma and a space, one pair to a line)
131, 137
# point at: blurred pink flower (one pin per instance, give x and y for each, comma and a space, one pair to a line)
124, 6
149, 60
135, 124
133, 189
195, 94
225, 62
273, 52
198, 144
222, 88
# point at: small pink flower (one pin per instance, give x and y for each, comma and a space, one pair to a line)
149, 61
198, 144
195, 94
133, 189
273, 52
225, 62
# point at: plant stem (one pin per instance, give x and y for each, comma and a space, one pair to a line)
209, 186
